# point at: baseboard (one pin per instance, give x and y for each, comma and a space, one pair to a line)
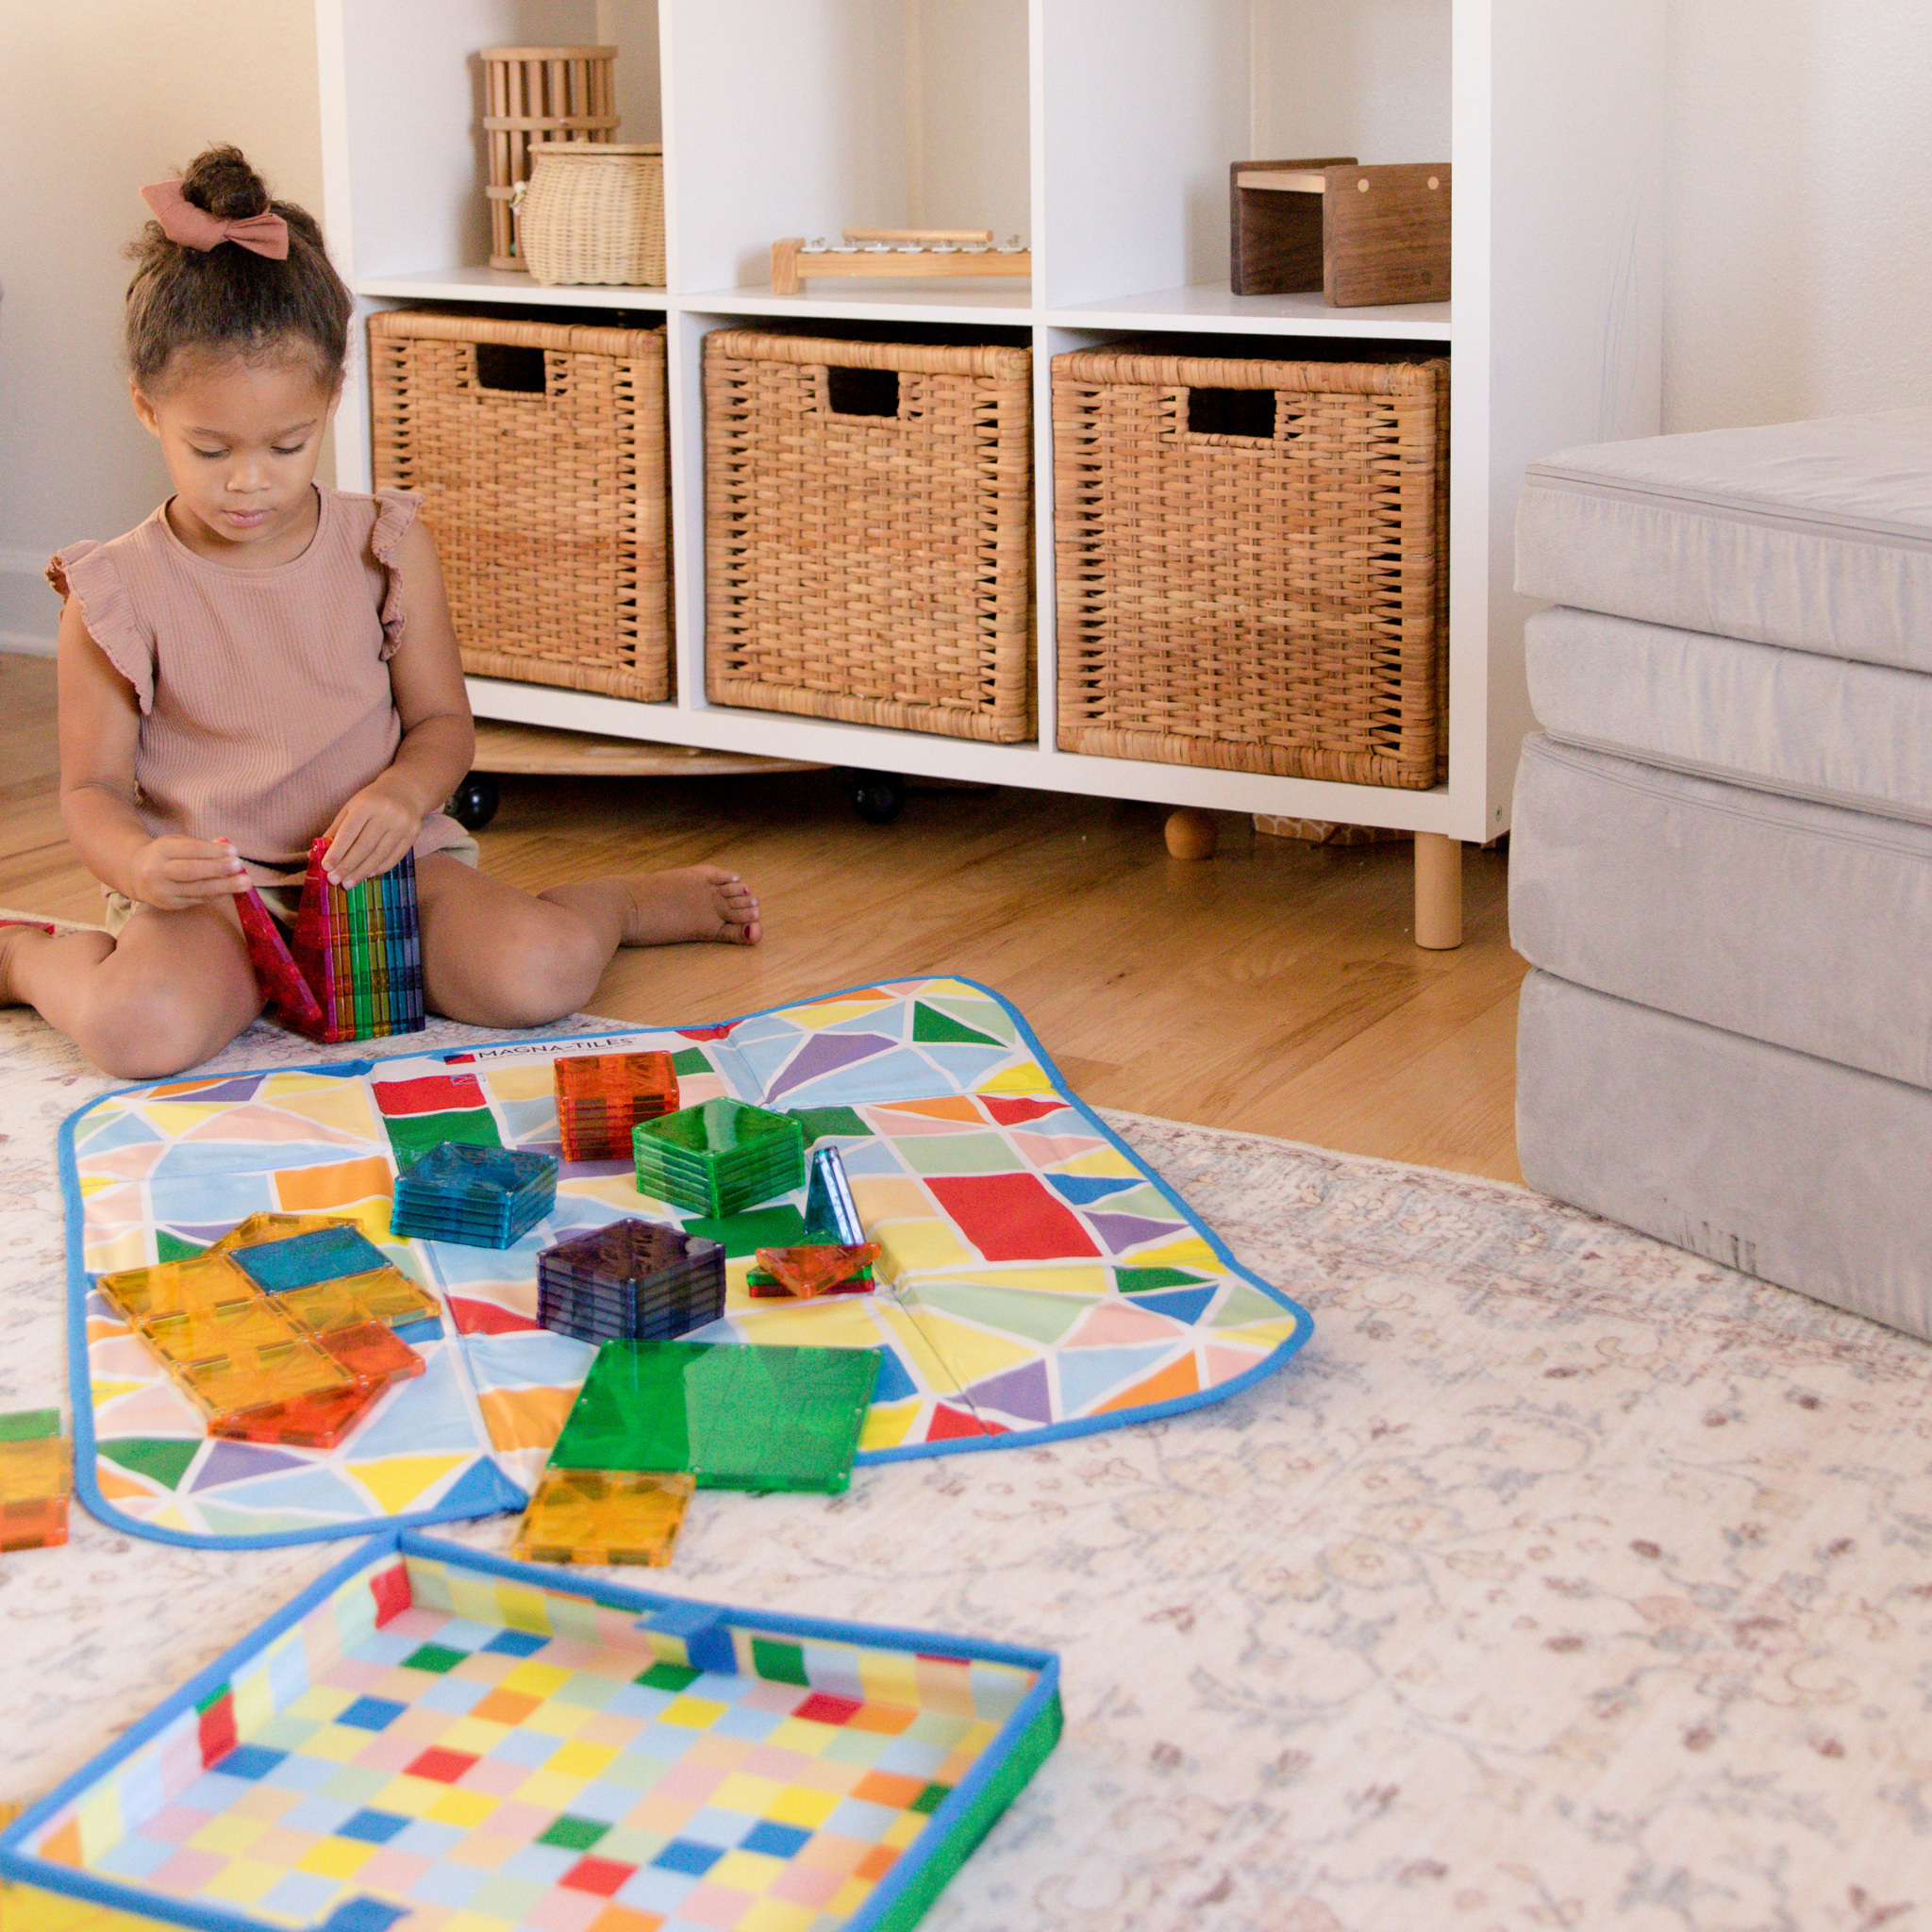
22, 645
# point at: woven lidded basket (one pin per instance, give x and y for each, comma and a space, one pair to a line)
540, 454
867, 517
593, 213
1252, 563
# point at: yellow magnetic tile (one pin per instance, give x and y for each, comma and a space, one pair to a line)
801, 1805
229, 1834
339, 1744
32, 1471
604, 1516
240, 1881
538, 1680
579, 1759
336, 1858
467, 1921
698, 1713
170, 1288
462, 1807
255, 1380
258, 1228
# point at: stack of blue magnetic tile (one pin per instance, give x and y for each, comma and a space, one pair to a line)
483, 1197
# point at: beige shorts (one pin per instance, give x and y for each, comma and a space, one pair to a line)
282, 900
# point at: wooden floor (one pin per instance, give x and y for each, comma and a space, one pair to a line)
1273, 987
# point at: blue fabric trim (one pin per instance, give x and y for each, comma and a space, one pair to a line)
24, 1866
88, 1488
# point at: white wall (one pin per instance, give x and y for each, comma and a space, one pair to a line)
1798, 238
1799, 244
99, 97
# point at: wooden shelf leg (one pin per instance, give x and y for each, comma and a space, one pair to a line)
1438, 892
1191, 834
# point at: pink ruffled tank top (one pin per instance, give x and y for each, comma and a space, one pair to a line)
264, 694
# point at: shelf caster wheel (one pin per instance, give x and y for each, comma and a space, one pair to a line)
1191, 834
472, 804
877, 797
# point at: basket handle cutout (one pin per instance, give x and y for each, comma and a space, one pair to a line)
861, 392
512, 368
1247, 412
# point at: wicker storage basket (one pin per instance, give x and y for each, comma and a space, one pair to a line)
593, 213
1258, 584
868, 511
532, 94
540, 453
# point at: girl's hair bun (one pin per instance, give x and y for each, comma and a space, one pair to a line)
220, 180
227, 300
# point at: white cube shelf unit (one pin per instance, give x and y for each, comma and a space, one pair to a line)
1103, 130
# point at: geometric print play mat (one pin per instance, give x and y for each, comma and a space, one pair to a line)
1035, 1278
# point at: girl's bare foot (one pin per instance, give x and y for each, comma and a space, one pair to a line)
19, 937
699, 902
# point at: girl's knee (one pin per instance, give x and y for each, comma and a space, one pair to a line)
546, 967
147, 1030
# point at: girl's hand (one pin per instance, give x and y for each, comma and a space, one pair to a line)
176, 874
369, 835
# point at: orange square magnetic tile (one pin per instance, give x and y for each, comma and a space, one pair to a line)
373, 1352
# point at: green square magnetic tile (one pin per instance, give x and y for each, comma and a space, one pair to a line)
737, 1416
29, 1425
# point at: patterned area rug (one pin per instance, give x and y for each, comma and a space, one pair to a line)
1562, 1580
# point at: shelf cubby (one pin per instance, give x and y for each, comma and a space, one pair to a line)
1103, 131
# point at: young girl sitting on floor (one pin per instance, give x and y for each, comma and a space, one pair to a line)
266, 660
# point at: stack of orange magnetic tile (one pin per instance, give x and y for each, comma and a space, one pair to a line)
602, 1096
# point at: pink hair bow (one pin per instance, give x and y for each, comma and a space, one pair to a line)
194, 228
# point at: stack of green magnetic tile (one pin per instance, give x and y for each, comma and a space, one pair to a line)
737, 1416
719, 1156
481, 1197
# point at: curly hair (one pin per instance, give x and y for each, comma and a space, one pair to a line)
230, 301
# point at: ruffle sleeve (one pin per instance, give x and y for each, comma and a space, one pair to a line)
395, 510
87, 572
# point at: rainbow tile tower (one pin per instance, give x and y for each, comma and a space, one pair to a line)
385, 1753
359, 950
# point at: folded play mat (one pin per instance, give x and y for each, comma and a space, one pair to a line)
457, 1743
1033, 1277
